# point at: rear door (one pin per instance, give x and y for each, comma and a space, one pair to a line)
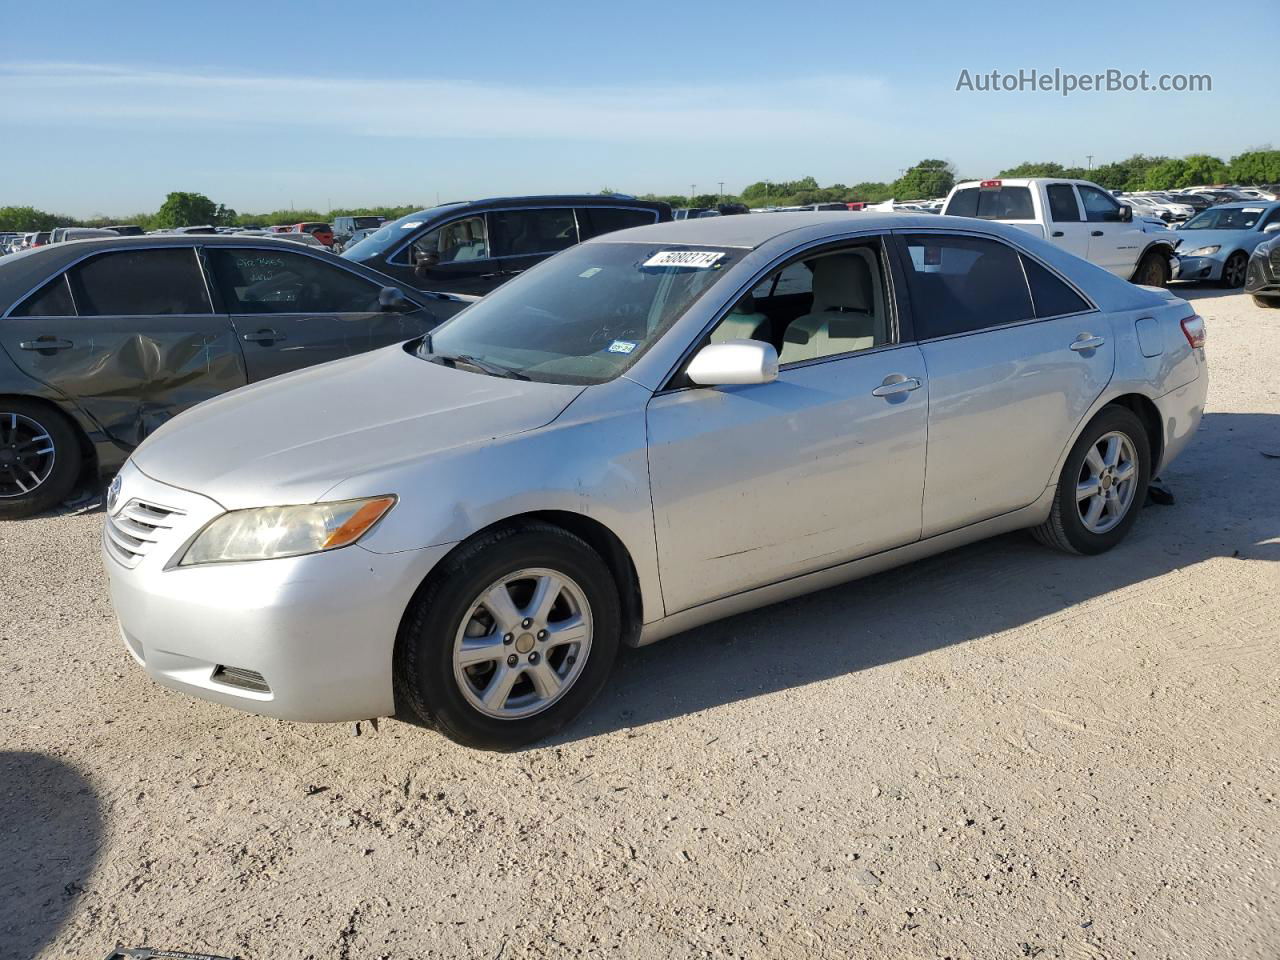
1015, 358
1067, 226
128, 335
294, 309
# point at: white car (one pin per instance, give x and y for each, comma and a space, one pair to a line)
1079, 216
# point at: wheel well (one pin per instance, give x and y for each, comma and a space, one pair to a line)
601, 539
1146, 411
88, 455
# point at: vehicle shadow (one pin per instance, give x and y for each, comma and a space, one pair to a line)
1201, 290
974, 591
50, 832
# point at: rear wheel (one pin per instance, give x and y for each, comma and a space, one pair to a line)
1153, 271
1233, 271
511, 641
39, 458
1267, 302
1102, 486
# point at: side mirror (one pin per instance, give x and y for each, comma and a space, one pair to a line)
734, 362
393, 300
1126, 213
1272, 227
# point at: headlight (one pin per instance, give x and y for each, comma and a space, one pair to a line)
267, 533
1203, 251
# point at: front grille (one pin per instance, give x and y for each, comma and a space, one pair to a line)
138, 526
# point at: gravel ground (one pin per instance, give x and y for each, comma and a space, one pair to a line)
999, 752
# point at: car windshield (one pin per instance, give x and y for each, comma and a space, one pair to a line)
583, 316
1225, 218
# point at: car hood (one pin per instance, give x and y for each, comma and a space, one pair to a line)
1227, 239
290, 439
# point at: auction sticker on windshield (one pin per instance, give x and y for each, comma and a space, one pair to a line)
698, 259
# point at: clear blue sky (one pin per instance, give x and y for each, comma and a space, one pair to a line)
105, 107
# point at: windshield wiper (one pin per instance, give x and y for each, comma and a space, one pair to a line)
484, 366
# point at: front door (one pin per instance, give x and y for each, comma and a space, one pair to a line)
755, 484
294, 310
1114, 244
130, 337
452, 258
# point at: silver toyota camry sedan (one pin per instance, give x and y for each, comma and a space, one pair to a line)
648, 431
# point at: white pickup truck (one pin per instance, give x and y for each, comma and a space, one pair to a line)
1079, 216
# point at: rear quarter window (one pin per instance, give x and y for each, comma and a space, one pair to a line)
997, 203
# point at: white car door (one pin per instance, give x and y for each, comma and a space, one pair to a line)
1113, 244
1066, 227
757, 483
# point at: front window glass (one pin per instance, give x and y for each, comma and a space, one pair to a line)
1099, 207
585, 315
460, 240
269, 281
1225, 218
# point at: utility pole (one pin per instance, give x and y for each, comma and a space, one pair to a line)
720, 196
693, 188
1089, 157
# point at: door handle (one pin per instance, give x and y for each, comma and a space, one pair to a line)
1087, 342
896, 384
1096, 233
263, 336
46, 343
1058, 233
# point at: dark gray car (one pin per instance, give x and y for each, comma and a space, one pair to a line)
101, 341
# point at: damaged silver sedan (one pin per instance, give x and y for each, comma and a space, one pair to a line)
101, 341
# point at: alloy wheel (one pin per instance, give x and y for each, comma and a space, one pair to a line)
1234, 271
1107, 483
522, 643
27, 455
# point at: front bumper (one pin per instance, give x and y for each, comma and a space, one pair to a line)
319, 630
1199, 268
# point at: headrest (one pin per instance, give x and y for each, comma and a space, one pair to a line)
842, 281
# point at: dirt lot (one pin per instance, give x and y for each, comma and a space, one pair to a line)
999, 752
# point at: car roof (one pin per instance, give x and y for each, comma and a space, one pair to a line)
749, 232
21, 273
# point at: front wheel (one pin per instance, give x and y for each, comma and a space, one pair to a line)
1102, 486
1233, 271
1153, 271
511, 641
39, 458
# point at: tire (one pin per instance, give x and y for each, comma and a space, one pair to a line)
434, 688
1233, 271
1153, 270
1066, 529
1266, 303
27, 429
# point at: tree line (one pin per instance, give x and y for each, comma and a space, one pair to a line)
928, 179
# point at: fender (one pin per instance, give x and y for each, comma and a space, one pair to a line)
1157, 242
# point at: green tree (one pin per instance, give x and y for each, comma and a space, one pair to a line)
1201, 169
1256, 166
28, 219
186, 210
1031, 169
926, 180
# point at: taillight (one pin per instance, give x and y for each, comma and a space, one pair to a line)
990, 184
1193, 330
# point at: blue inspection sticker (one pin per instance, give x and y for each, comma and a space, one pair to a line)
622, 346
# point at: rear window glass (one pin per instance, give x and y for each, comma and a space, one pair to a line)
1051, 297
141, 283
51, 300
594, 221
997, 203
959, 284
